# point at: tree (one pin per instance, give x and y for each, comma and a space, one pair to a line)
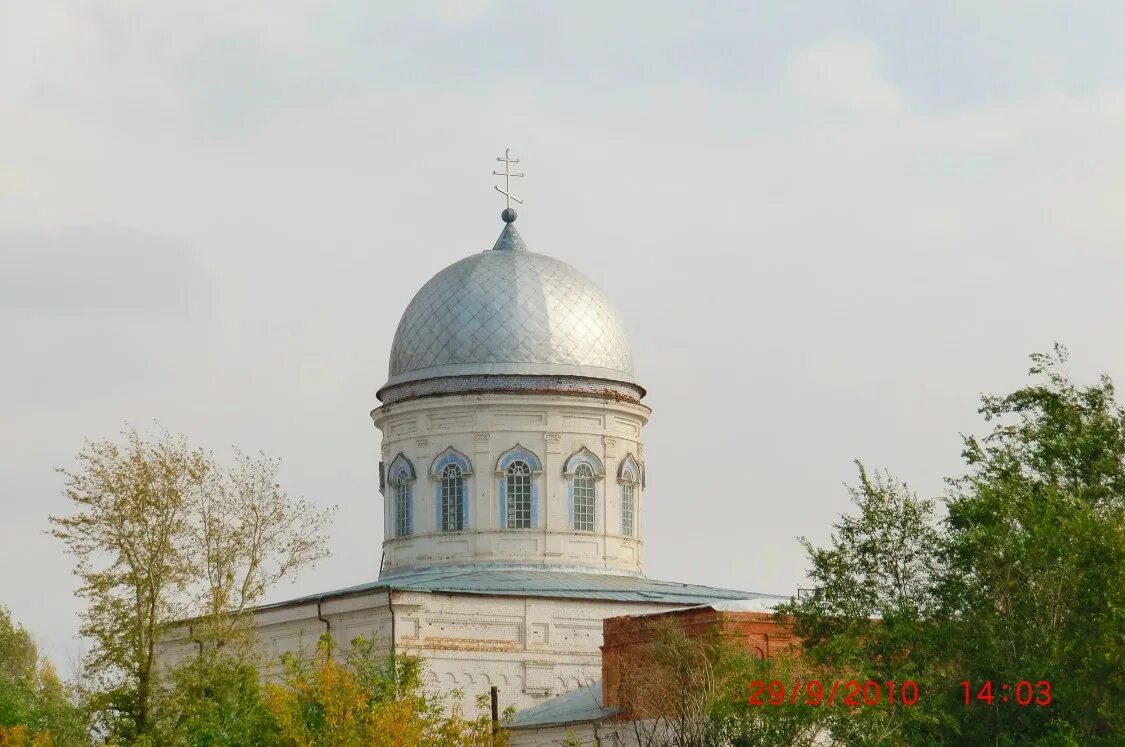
370, 699
215, 699
163, 532
872, 614
1022, 580
35, 706
681, 689
1036, 547
800, 722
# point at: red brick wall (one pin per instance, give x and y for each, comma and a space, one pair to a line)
626, 639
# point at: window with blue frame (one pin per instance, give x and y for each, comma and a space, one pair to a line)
401, 481
403, 522
628, 503
629, 476
583, 470
452, 498
450, 472
585, 498
518, 495
518, 471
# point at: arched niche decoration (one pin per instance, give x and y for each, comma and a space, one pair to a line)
447, 457
629, 471
518, 453
401, 469
583, 456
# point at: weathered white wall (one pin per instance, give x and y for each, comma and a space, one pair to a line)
485, 426
530, 648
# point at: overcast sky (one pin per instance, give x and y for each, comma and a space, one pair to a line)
828, 228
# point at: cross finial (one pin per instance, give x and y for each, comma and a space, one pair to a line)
509, 214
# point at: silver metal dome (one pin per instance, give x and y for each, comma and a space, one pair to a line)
510, 311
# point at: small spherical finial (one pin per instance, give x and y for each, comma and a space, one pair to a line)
509, 215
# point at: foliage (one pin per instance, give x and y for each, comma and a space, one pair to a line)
737, 723
35, 706
873, 613
163, 532
671, 688
364, 698
1023, 579
1036, 547
21, 736
216, 700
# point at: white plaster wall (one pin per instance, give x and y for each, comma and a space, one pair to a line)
296, 629
531, 648
485, 426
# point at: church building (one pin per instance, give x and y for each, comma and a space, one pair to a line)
512, 472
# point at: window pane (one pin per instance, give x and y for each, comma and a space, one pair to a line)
518, 496
627, 510
452, 499
583, 492
402, 507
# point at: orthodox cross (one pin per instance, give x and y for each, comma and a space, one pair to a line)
508, 175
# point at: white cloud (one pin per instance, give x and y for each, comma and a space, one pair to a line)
845, 75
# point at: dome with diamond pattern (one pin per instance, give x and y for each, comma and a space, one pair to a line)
510, 311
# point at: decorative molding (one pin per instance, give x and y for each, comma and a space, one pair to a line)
518, 452
583, 456
400, 462
538, 677
610, 444
629, 465
450, 456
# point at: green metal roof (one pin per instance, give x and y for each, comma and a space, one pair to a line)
575, 707
540, 583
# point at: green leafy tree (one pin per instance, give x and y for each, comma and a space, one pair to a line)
1023, 579
161, 531
872, 614
1036, 547
35, 706
214, 700
800, 722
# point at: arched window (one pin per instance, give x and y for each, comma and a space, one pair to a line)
628, 502
452, 499
403, 518
584, 498
517, 471
401, 482
450, 472
583, 470
518, 493
630, 475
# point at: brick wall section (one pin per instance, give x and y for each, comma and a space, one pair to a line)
625, 640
